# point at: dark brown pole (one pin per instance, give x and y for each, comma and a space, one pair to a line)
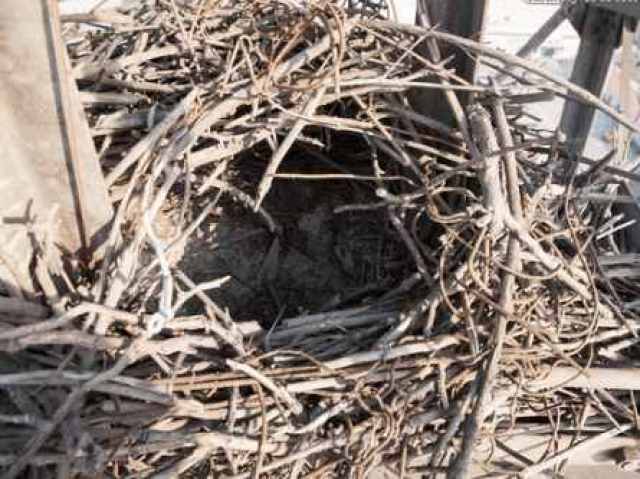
460, 17
599, 37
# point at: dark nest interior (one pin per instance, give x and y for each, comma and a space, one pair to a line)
327, 252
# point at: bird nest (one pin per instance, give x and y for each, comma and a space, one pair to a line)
309, 275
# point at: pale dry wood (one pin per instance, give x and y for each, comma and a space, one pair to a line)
594, 378
108, 98
285, 146
88, 71
283, 394
149, 141
533, 470
436, 344
483, 406
113, 17
489, 167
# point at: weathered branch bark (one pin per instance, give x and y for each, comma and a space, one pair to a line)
483, 405
488, 167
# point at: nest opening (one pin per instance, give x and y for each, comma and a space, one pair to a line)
322, 258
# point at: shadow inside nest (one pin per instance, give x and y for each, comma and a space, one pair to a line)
320, 260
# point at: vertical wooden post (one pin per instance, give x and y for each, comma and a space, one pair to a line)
47, 155
599, 37
631, 234
460, 17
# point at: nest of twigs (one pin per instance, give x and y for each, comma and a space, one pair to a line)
484, 314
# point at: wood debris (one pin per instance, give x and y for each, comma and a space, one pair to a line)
512, 317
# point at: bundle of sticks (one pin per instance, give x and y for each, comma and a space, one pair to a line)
507, 347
